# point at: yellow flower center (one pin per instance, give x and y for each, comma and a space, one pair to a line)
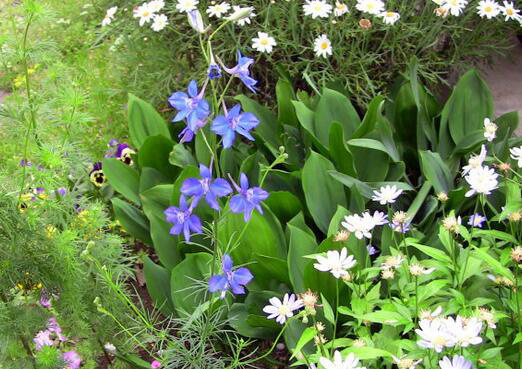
146, 14
283, 310
509, 11
264, 41
324, 45
389, 14
488, 9
440, 341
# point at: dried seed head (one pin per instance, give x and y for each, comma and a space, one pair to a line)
365, 23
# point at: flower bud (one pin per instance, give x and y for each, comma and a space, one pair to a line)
241, 13
196, 21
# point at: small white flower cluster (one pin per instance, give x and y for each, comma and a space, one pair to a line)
109, 16
362, 225
481, 178
282, 310
438, 333
149, 12
516, 154
335, 263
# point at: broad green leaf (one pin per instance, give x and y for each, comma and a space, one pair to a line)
350, 182
372, 161
432, 252
306, 118
158, 285
366, 353
186, 279
431, 289
464, 112
307, 335
237, 318
144, 121
284, 205
498, 235
132, 219
333, 106
469, 142
436, 171
285, 109
335, 223
385, 317
301, 244
327, 310
372, 144
419, 200
372, 116
150, 177
122, 178
493, 263
154, 153
322, 192
180, 156
339, 151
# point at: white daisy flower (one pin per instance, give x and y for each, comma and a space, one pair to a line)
156, 5
390, 17
263, 42
374, 7
340, 9
405, 363
187, 5
458, 362
488, 9
338, 362
160, 22
490, 129
317, 8
467, 333
482, 180
242, 15
417, 270
144, 13
322, 46
454, 7
357, 225
435, 335
335, 262
516, 154
386, 194
106, 21
111, 12
281, 310
378, 218
218, 10
509, 11
438, 2
110, 348
475, 161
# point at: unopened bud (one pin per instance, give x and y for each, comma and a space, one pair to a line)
241, 13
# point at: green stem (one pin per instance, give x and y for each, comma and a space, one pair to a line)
519, 316
416, 299
336, 314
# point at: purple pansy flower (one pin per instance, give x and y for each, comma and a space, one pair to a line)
96, 175
230, 279
183, 219
476, 220
191, 106
234, 121
241, 71
72, 359
61, 191
205, 187
247, 198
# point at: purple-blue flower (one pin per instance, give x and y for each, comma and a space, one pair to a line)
191, 106
205, 187
400, 227
234, 121
214, 71
371, 250
183, 219
230, 279
247, 198
191, 129
241, 71
476, 220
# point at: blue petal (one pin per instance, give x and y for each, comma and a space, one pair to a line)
176, 229
186, 231
192, 187
211, 200
220, 187
248, 121
236, 288
237, 204
178, 100
227, 263
220, 125
204, 171
195, 224
193, 88
258, 195
217, 283
182, 114
234, 112
182, 203
244, 133
228, 138
243, 180
242, 276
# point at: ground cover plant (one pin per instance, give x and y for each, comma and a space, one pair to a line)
279, 200
360, 44
355, 235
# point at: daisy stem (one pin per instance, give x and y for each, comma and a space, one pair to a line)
321, 346
519, 321
336, 314
416, 299
467, 255
482, 201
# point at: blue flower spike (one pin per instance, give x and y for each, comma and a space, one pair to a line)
182, 219
205, 187
247, 198
241, 71
233, 122
234, 280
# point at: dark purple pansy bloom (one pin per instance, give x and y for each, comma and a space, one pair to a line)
247, 199
205, 187
61, 191
191, 106
183, 219
241, 71
230, 279
123, 153
96, 175
234, 121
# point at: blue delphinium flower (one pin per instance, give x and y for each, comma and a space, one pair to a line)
241, 71
183, 219
234, 121
205, 187
476, 220
214, 71
230, 279
247, 198
191, 129
191, 106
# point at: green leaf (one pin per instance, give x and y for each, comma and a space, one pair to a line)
285, 108
431, 289
307, 335
518, 338
469, 103
268, 128
419, 200
366, 353
493, 263
334, 107
373, 144
186, 291
335, 223
350, 182
372, 161
469, 142
431, 251
306, 118
144, 121
436, 171
132, 219
327, 309
284, 205
372, 116
158, 285
122, 178
238, 319
301, 244
339, 151
150, 177
154, 153
385, 317
322, 192
180, 156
